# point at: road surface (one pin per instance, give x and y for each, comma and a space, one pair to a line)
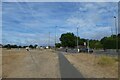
67, 70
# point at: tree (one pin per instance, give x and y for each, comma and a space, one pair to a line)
35, 45
8, 46
19, 46
95, 44
31, 46
68, 40
81, 41
58, 45
25, 46
14, 46
98, 45
110, 42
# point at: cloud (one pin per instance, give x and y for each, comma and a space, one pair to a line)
31, 22
90, 15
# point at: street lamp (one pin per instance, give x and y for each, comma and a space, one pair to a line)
49, 40
77, 40
116, 34
77, 37
55, 36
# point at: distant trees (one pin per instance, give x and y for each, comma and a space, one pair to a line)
81, 41
95, 44
35, 46
31, 46
19, 46
58, 45
9, 46
110, 42
68, 40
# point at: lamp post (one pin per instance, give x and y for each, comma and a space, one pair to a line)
55, 37
116, 34
77, 40
88, 45
49, 41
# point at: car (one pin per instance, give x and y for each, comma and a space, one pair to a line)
86, 50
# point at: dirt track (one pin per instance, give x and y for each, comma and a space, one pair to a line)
19, 64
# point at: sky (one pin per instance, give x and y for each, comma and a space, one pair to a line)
25, 23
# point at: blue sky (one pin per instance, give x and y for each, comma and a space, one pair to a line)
30, 22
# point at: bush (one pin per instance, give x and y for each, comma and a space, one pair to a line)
106, 60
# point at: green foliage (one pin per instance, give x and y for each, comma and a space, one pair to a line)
68, 40
19, 46
110, 42
35, 45
81, 41
8, 46
31, 46
58, 45
95, 44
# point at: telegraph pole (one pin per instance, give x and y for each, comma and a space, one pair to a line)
55, 36
77, 38
116, 34
88, 45
49, 40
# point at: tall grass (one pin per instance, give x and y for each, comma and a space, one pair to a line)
106, 60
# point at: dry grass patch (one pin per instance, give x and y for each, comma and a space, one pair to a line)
106, 60
11, 55
94, 66
20, 64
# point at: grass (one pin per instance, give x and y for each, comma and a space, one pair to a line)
106, 60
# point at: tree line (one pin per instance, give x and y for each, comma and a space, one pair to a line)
9, 46
70, 40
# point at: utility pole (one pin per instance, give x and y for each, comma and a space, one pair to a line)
77, 39
49, 40
88, 45
116, 34
111, 31
55, 37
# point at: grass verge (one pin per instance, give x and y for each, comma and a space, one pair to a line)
106, 60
